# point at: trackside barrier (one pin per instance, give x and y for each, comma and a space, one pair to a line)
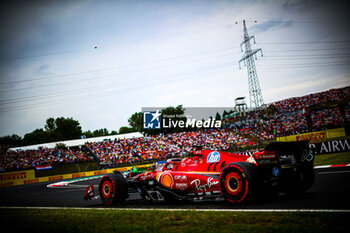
8, 179
314, 136
15, 178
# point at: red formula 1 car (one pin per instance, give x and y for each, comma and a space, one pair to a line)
280, 167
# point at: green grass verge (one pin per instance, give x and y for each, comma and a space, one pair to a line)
92, 220
332, 159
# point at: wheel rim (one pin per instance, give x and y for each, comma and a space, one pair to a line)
106, 189
233, 183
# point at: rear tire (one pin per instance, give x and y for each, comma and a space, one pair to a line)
307, 179
113, 189
238, 181
301, 182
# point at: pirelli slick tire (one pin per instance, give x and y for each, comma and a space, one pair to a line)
301, 182
307, 179
113, 189
238, 181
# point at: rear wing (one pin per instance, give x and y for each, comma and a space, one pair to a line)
300, 151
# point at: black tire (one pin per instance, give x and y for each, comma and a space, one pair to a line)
301, 182
306, 180
113, 189
238, 181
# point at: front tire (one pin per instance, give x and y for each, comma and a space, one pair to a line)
113, 189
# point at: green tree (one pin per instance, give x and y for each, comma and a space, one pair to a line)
217, 117
61, 146
125, 129
50, 124
88, 134
68, 128
13, 140
36, 137
136, 121
51, 130
100, 132
114, 132
55, 130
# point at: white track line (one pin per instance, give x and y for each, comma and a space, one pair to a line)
62, 184
332, 166
199, 210
336, 172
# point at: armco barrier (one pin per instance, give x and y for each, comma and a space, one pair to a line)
9, 179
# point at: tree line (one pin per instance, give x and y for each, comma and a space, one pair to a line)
59, 129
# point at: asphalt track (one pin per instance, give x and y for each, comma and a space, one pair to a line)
331, 191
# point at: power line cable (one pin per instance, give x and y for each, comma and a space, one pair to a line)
46, 78
112, 92
115, 67
70, 99
101, 87
306, 42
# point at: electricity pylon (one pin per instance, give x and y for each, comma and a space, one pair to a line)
255, 94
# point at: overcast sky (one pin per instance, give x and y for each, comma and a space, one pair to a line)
101, 61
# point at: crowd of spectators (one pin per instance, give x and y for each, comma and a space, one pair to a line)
165, 146
328, 117
266, 129
312, 100
297, 115
14, 160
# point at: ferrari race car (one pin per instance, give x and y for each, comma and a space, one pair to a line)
281, 167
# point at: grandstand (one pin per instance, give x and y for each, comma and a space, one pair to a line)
47, 153
76, 142
319, 111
